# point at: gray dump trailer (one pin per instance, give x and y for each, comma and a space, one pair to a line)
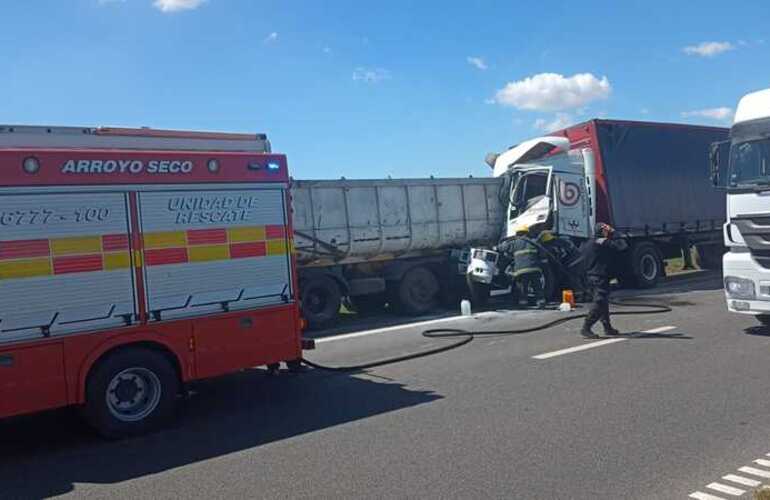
366, 243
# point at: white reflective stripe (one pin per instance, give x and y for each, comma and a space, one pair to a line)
577, 348
755, 472
753, 483
723, 488
704, 496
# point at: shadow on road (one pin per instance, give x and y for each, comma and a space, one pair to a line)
759, 330
45, 455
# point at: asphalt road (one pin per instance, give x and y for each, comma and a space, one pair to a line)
656, 415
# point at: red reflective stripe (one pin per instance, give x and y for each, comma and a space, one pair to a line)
244, 250
114, 242
77, 264
24, 248
165, 256
275, 232
206, 236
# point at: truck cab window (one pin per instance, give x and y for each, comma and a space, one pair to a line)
529, 189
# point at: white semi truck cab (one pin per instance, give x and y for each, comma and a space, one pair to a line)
547, 186
741, 165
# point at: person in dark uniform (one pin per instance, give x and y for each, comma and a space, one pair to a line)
598, 255
526, 271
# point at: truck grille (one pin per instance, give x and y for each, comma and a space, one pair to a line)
756, 232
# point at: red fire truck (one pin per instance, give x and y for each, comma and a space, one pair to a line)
133, 261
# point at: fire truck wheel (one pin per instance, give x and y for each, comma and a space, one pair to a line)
418, 291
321, 299
131, 392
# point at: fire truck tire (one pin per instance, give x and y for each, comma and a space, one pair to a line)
321, 300
131, 392
418, 291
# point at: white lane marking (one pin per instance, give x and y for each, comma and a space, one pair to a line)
704, 496
752, 483
345, 336
763, 463
723, 488
577, 348
660, 330
755, 472
583, 347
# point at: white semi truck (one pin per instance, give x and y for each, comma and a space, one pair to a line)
741, 165
645, 179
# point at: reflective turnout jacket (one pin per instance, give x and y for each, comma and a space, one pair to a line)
526, 256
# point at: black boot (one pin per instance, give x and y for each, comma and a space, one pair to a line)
609, 330
586, 332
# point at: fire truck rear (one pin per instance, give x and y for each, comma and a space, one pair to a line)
133, 261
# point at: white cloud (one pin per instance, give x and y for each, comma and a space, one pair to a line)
723, 114
554, 92
560, 121
708, 49
477, 62
177, 5
272, 37
371, 75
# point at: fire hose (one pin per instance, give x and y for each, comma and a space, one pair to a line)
467, 336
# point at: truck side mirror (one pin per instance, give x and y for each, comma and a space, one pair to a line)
719, 155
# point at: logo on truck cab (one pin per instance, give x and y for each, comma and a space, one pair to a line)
127, 167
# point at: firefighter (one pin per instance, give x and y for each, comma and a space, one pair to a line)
599, 255
526, 272
567, 254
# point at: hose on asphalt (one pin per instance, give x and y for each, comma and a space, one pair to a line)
466, 336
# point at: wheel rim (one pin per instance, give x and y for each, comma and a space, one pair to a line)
649, 267
133, 394
316, 301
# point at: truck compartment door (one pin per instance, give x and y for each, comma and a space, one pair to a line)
214, 251
65, 264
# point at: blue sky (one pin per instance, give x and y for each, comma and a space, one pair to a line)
368, 89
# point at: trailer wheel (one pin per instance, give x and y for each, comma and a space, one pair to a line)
709, 256
418, 291
131, 392
646, 265
479, 292
321, 299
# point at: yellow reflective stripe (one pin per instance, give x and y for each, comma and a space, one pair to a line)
168, 239
524, 252
246, 234
113, 261
276, 247
78, 245
208, 253
138, 258
27, 268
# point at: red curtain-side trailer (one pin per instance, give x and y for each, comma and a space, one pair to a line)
134, 261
